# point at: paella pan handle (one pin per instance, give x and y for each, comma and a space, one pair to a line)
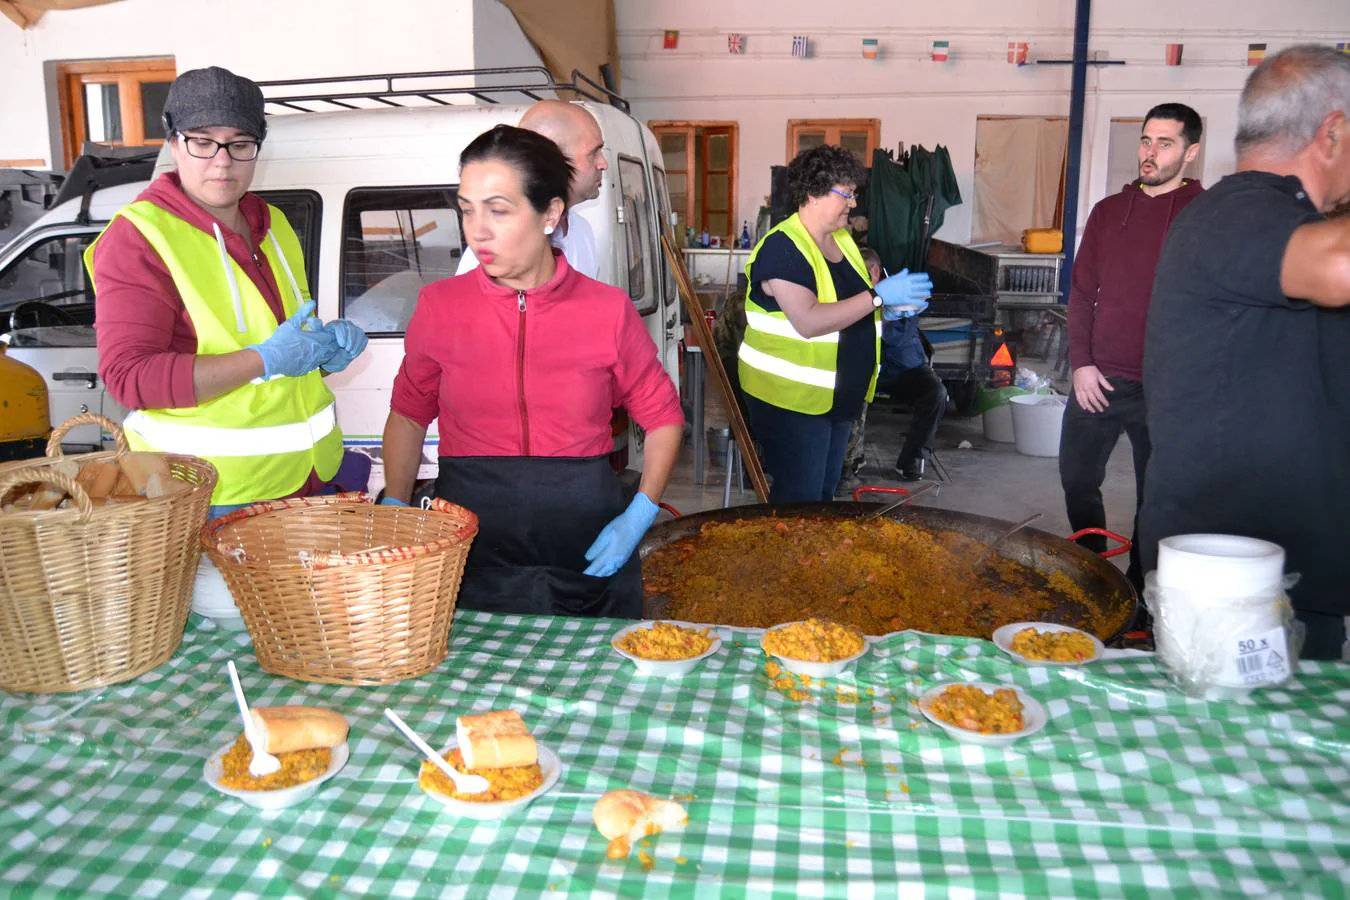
670, 509
1125, 543
871, 489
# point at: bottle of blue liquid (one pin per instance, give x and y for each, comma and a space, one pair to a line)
703, 239
745, 235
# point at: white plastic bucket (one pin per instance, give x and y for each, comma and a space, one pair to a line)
1036, 420
998, 424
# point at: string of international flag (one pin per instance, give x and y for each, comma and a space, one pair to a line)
1019, 52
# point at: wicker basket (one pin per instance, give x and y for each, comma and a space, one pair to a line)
93, 596
338, 590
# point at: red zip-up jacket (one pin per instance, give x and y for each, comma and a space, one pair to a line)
530, 373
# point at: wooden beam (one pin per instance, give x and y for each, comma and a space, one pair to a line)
23, 163
712, 366
14, 14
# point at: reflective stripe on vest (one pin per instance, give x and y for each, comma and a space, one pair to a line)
779, 365
264, 437
174, 437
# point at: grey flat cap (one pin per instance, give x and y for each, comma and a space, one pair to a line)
202, 98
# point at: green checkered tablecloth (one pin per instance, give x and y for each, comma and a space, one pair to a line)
1131, 787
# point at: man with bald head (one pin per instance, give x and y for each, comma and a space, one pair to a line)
577, 133
1246, 377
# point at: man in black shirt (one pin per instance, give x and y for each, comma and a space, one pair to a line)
1247, 354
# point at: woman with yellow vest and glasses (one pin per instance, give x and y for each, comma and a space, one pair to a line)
204, 321
812, 342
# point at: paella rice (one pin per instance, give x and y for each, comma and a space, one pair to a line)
510, 783
297, 767
971, 708
665, 641
1053, 646
878, 577
814, 640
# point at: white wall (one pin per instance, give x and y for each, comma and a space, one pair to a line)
262, 39
923, 102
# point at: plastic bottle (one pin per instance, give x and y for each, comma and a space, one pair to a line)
745, 235
704, 240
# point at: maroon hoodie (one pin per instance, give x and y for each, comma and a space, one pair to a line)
146, 343
1113, 277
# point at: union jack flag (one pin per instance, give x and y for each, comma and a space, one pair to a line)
799, 45
735, 43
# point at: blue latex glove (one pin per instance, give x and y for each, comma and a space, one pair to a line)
620, 537
351, 340
895, 313
299, 346
909, 293
391, 501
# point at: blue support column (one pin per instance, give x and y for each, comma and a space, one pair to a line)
1074, 162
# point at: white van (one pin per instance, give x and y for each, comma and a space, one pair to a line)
371, 194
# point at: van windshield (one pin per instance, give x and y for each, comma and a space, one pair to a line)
45, 298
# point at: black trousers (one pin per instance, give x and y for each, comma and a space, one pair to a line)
1326, 634
922, 388
1085, 445
803, 453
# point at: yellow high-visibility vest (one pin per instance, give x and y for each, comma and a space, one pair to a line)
776, 363
263, 437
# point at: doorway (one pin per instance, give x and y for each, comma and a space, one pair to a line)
1019, 176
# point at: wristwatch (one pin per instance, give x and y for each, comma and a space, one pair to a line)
876, 298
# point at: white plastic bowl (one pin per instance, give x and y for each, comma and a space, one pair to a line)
808, 667
1033, 714
669, 668
281, 798
548, 762
1003, 640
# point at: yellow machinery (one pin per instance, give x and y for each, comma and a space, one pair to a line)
24, 419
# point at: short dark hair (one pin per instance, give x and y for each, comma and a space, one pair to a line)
544, 170
1191, 126
813, 172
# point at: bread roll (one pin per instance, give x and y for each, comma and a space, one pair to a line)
138, 466
625, 817
284, 729
495, 740
98, 478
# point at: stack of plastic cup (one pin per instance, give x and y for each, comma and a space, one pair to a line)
1221, 613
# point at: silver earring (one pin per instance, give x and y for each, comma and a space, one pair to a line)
548, 229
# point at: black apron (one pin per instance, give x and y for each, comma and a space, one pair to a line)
537, 516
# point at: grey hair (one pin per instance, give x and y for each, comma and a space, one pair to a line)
1288, 96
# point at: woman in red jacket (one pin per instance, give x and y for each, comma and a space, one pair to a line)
523, 360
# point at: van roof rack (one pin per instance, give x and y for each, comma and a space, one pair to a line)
398, 88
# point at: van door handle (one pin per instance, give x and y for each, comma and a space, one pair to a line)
89, 378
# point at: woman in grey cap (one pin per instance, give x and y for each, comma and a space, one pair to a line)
205, 324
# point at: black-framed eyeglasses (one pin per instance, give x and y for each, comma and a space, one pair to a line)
205, 148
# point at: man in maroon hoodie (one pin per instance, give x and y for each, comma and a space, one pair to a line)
1108, 309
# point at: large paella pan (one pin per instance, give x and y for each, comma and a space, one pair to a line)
915, 567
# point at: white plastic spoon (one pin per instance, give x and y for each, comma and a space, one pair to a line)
263, 763
464, 784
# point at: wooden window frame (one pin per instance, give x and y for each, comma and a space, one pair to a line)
128, 75
690, 128
832, 127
